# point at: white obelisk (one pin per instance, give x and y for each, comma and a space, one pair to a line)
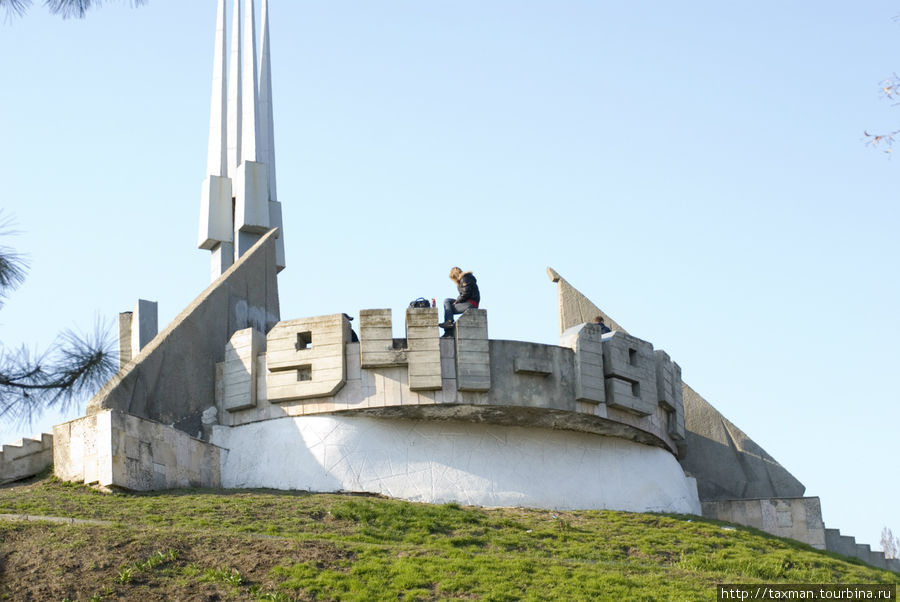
216, 228
266, 150
238, 201
251, 209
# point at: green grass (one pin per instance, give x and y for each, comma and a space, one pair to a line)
271, 545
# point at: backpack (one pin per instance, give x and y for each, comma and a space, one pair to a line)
420, 302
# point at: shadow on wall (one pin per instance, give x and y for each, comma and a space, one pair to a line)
172, 380
725, 473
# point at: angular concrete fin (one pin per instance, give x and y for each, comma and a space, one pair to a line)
575, 308
172, 380
725, 461
234, 91
217, 151
250, 117
266, 116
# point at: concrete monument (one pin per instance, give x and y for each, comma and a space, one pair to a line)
238, 200
230, 395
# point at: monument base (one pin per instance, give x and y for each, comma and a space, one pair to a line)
441, 462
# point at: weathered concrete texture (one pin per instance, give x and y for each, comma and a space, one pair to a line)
670, 393
725, 461
276, 222
575, 308
305, 358
846, 545
220, 259
439, 462
82, 451
243, 242
239, 376
124, 338
173, 379
113, 449
251, 194
586, 341
376, 340
144, 324
630, 369
796, 518
473, 359
532, 385
25, 458
424, 350
215, 212
840, 544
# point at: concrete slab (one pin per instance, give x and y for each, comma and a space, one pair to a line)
173, 381
725, 461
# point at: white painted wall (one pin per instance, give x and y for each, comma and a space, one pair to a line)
439, 462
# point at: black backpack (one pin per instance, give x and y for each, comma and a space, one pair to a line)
420, 302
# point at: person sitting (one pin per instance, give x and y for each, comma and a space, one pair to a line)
603, 327
468, 296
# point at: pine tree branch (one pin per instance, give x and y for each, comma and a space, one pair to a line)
13, 265
70, 371
64, 8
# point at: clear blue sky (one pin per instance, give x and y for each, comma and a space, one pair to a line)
697, 169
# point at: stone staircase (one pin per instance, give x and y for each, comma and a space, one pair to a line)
847, 546
25, 458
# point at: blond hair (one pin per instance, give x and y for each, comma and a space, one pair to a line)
455, 274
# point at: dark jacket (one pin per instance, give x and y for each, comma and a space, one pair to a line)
468, 289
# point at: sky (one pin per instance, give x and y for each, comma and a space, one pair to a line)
698, 170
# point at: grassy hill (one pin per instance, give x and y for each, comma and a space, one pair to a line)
273, 545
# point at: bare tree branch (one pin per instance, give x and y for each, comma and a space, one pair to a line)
890, 544
890, 89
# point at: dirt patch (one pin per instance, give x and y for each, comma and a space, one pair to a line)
52, 562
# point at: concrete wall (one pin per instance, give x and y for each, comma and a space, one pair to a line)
25, 458
513, 383
172, 380
797, 518
438, 462
110, 448
726, 462
846, 545
305, 358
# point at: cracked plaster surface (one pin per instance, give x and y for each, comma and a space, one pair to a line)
439, 462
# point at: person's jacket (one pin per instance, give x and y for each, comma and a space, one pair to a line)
468, 289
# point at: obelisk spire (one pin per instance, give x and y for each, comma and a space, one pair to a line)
216, 233
238, 199
217, 153
234, 91
266, 151
249, 118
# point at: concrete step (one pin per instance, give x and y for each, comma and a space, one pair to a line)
25, 458
847, 546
